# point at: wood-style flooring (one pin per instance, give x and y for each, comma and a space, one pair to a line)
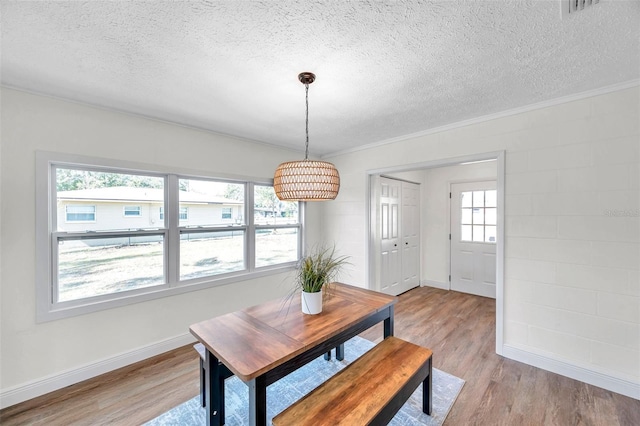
459, 328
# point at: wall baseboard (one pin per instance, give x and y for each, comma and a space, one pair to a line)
436, 284
586, 375
20, 393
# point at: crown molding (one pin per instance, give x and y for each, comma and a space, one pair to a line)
557, 101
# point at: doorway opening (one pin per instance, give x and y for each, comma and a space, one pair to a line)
435, 252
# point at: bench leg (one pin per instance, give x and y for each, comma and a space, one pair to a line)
203, 384
427, 390
340, 352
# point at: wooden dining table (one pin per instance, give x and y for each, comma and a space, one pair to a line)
263, 343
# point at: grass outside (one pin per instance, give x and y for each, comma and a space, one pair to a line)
94, 271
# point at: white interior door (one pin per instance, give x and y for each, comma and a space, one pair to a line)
389, 206
410, 231
473, 238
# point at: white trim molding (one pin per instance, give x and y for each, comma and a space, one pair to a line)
33, 389
489, 117
583, 374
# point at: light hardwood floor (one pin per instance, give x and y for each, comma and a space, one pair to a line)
459, 328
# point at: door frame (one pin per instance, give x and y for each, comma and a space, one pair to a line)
499, 156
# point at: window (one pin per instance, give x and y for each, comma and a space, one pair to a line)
76, 213
196, 237
132, 211
479, 216
276, 227
184, 213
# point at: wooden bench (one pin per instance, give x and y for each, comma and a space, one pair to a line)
369, 391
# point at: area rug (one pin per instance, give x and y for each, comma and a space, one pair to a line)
289, 389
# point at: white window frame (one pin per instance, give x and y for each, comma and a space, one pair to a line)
48, 309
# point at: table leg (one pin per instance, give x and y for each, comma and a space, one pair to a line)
258, 401
427, 391
214, 391
388, 324
327, 356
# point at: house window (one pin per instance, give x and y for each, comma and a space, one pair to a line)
100, 262
479, 216
277, 228
184, 213
76, 213
132, 211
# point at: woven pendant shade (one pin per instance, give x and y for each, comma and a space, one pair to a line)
306, 180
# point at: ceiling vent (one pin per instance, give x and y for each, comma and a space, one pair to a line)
571, 7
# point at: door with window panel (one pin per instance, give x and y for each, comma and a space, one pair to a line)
473, 238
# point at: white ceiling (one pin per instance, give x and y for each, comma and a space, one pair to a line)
384, 69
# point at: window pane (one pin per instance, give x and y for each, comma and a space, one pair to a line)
104, 196
132, 211
269, 210
466, 199
94, 267
274, 246
478, 198
80, 213
211, 253
491, 198
478, 216
478, 233
490, 217
202, 202
466, 216
490, 234
184, 213
465, 233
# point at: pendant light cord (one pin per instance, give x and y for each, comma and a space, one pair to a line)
306, 152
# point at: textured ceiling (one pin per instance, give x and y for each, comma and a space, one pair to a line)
384, 68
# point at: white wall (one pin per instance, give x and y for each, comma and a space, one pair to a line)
572, 281
36, 357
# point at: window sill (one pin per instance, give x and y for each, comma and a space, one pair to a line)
53, 313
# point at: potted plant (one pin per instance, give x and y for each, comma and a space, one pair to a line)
316, 271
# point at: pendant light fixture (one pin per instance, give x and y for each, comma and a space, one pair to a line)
306, 180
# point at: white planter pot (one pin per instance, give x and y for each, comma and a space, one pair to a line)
311, 302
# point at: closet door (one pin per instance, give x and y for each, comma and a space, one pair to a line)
410, 231
389, 241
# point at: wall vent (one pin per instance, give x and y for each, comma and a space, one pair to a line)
571, 7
